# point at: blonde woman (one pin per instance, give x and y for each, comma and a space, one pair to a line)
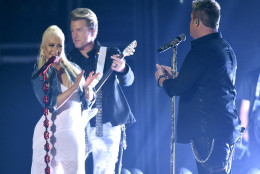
68, 95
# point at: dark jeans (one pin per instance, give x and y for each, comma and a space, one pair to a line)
212, 156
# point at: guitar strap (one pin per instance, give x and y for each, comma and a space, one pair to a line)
100, 69
101, 61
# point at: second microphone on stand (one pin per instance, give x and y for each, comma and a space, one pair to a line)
173, 43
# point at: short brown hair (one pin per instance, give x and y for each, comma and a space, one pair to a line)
88, 15
208, 11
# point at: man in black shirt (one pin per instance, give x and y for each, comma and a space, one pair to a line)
207, 115
250, 117
249, 95
104, 131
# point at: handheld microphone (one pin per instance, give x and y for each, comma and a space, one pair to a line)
44, 68
173, 43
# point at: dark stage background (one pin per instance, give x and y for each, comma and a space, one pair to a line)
150, 22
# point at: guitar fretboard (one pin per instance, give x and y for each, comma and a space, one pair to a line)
105, 77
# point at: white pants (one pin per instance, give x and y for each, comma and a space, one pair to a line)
104, 149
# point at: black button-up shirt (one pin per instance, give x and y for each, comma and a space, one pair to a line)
115, 106
207, 93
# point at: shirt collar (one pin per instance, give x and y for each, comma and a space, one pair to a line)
205, 38
95, 50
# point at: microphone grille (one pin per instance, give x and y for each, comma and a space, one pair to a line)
182, 36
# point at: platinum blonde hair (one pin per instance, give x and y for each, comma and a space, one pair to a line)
54, 30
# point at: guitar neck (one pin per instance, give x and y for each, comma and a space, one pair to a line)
105, 77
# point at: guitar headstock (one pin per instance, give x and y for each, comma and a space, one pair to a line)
130, 49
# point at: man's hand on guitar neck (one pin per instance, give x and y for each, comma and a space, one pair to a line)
118, 64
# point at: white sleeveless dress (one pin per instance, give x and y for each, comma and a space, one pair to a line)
67, 139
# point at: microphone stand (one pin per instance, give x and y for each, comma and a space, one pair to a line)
46, 123
174, 72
